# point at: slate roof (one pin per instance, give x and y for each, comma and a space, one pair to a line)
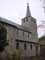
13, 24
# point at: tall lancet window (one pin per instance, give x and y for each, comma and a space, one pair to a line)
25, 47
31, 46
17, 45
27, 19
23, 20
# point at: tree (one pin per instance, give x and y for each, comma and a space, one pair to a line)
42, 38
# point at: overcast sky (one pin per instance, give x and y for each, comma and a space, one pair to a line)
15, 10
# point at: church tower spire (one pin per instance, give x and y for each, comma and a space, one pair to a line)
27, 19
29, 23
28, 14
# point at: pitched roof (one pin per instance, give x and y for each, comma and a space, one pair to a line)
14, 24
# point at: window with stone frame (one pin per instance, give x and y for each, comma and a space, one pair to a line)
3, 37
17, 45
27, 19
31, 46
3, 33
34, 21
25, 47
23, 20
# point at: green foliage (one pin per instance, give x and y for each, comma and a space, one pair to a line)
41, 38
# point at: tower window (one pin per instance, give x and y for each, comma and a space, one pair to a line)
25, 46
27, 19
23, 20
3, 34
3, 38
34, 21
17, 45
31, 47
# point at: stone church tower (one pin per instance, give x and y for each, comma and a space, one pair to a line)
27, 19
30, 23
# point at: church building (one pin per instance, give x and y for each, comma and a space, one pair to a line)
22, 36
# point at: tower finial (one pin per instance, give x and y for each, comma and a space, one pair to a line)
28, 11
27, 4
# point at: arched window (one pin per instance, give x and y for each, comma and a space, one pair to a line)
3, 33
17, 45
23, 20
27, 19
25, 47
31, 46
3, 37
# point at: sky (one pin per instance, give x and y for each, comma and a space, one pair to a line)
15, 10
